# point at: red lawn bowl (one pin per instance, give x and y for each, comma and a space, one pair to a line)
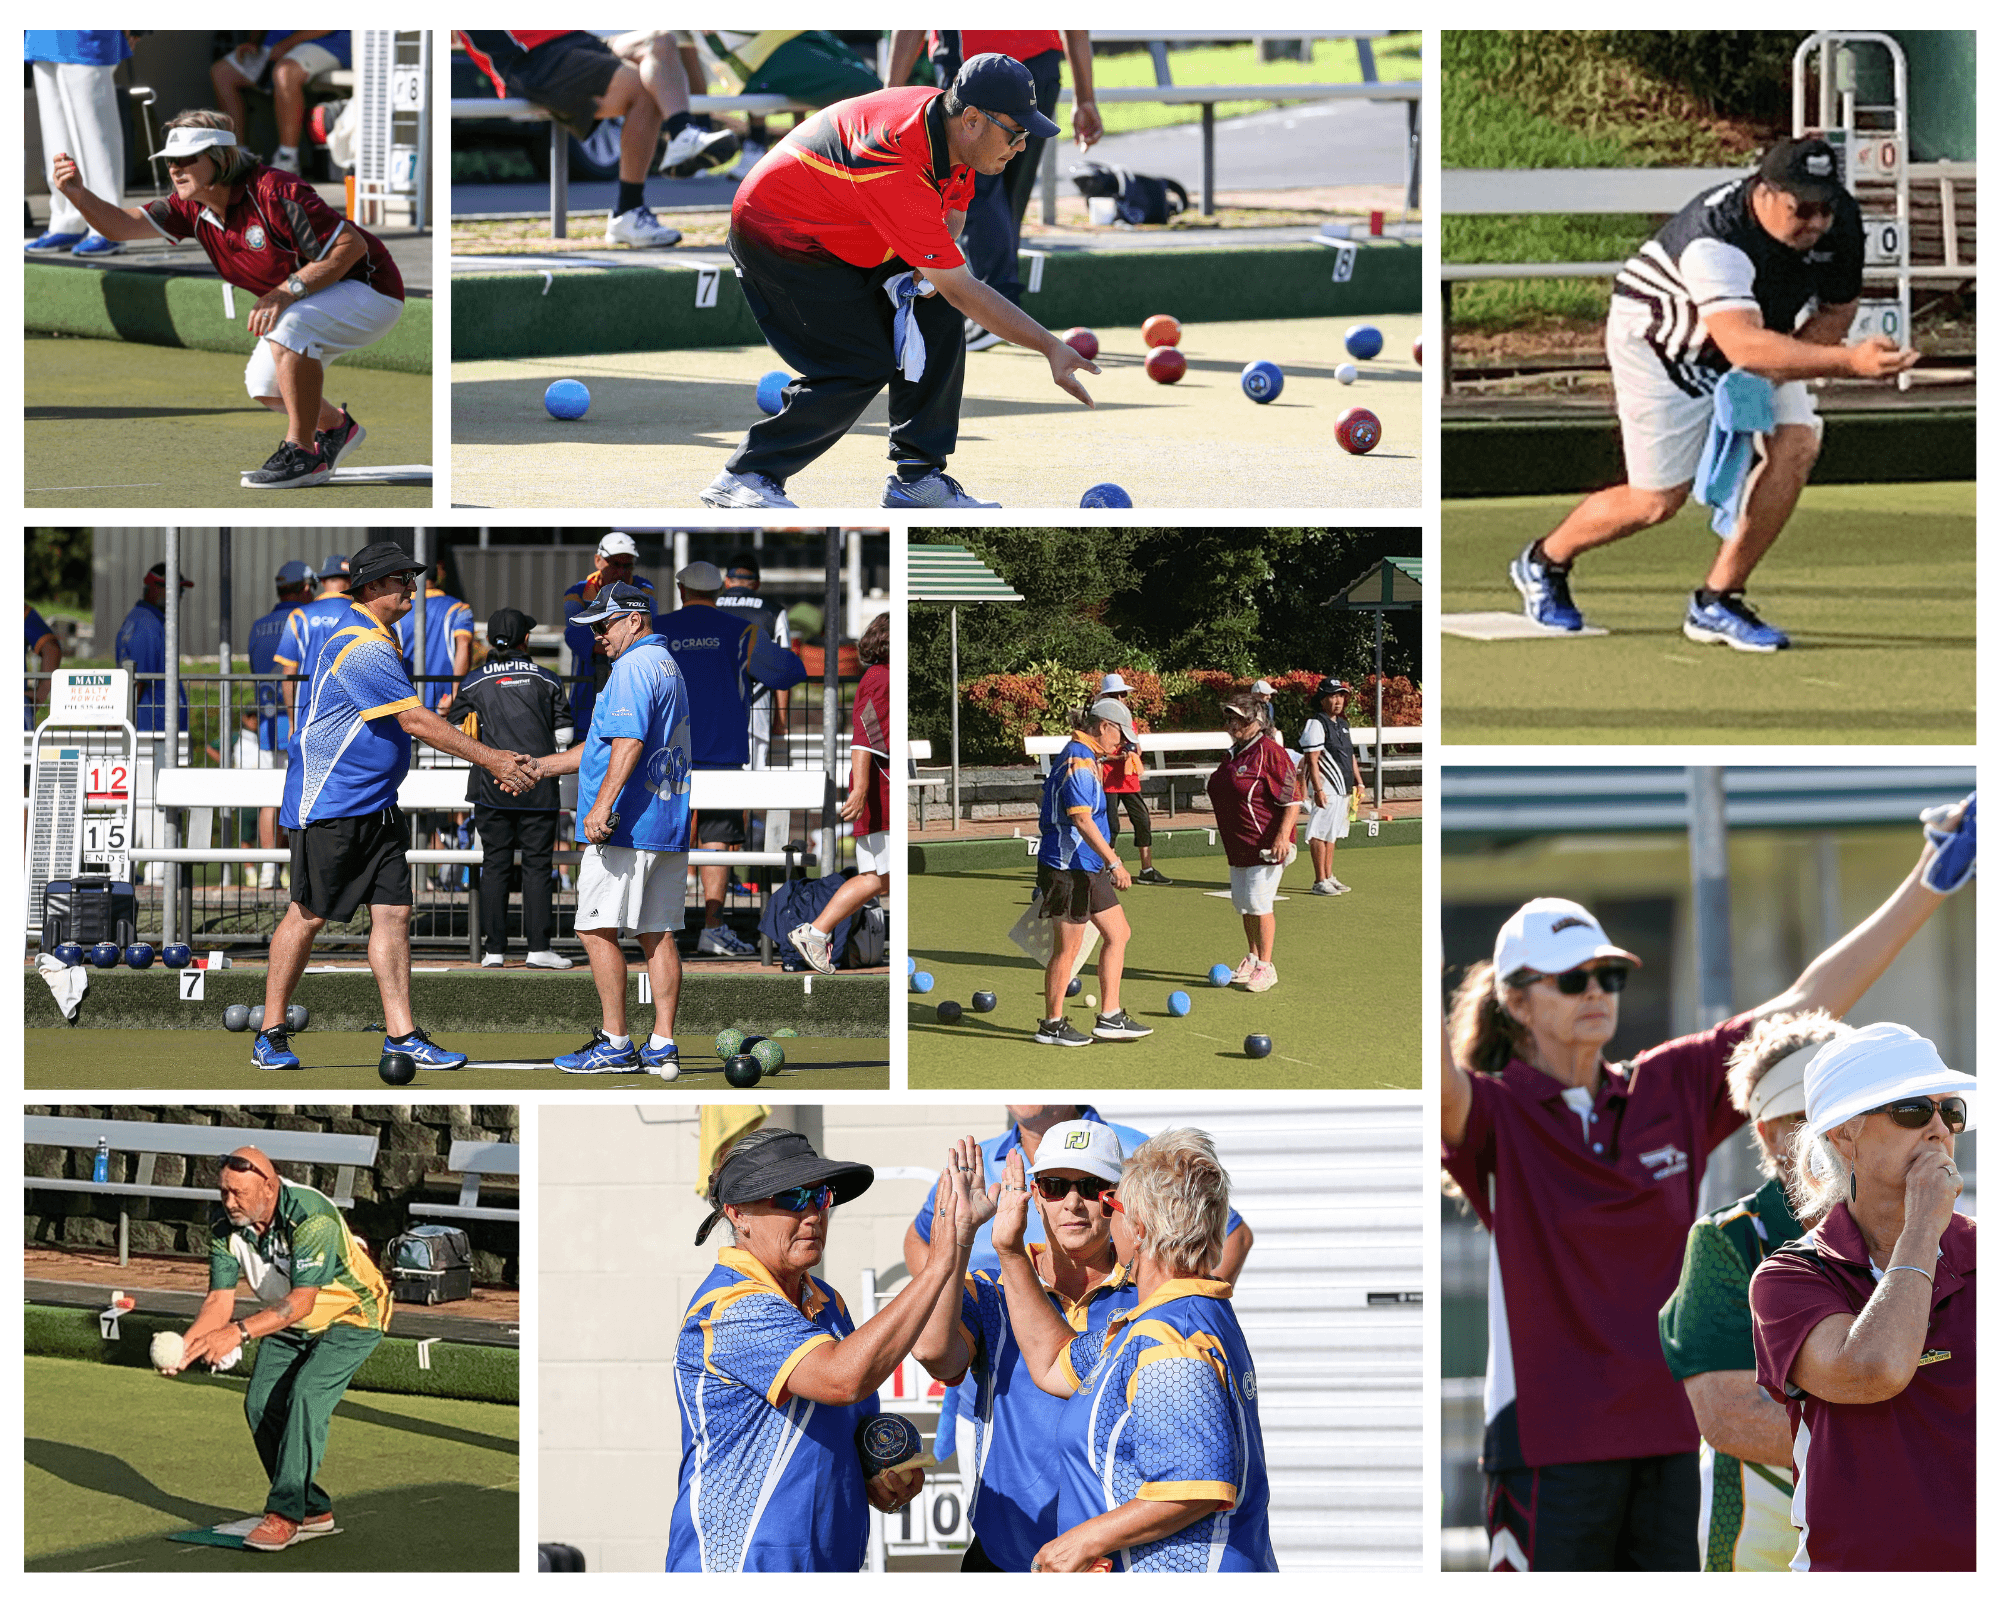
1160, 330
1083, 342
1358, 429
1166, 365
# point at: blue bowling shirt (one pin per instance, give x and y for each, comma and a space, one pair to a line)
769, 1481
1075, 783
583, 645
447, 619
1165, 1408
1016, 1478
80, 47
142, 647
643, 699
309, 627
720, 653
267, 636
351, 754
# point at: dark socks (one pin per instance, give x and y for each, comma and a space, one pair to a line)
678, 121
1541, 556
1708, 597
630, 195
914, 471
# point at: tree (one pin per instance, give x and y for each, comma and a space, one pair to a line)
56, 567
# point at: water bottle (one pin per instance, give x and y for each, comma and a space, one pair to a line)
100, 1171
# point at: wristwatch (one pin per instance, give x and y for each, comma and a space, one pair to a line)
242, 1329
295, 286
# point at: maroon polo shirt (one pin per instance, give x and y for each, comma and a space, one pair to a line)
1251, 790
276, 224
1589, 1228
1887, 1487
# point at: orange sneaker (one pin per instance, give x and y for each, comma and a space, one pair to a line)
273, 1533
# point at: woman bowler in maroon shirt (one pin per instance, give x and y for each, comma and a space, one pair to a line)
1587, 1174
1864, 1327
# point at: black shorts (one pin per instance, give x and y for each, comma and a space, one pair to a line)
565, 77
344, 863
1069, 895
721, 828
1635, 1515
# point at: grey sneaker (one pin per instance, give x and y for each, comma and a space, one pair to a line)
1339, 887
937, 492
816, 947
1325, 888
722, 941
1117, 1025
1058, 1031
746, 491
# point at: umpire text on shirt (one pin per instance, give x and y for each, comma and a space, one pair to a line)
349, 838
517, 705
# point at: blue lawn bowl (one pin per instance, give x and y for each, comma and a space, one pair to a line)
566, 399
771, 392
923, 982
1364, 341
913, 964
106, 956
1105, 497
1219, 975
138, 956
70, 955
1263, 381
177, 956
1257, 1046
1178, 1003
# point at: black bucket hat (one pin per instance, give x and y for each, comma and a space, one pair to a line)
772, 1165
382, 559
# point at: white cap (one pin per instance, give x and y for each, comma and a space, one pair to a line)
1874, 1065
192, 141
1113, 684
1262, 687
1080, 1146
617, 544
1552, 936
704, 577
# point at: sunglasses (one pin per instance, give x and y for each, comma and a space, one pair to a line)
1610, 979
1917, 1113
1811, 210
817, 1198
604, 627
244, 1164
1016, 137
1054, 1189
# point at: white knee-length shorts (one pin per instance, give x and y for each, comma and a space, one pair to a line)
634, 891
326, 325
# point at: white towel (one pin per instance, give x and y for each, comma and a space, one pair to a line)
67, 984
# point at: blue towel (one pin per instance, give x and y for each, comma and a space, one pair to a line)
903, 291
1743, 411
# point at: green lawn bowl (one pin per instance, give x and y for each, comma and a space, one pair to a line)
786, 1033
770, 1055
729, 1043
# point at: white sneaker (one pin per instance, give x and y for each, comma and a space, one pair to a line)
1338, 887
1322, 886
491, 960
815, 946
285, 161
640, 227
1243, 970
1264, 977
267, 875
746, 491
722, 941
698, 149
753, 152
550, 960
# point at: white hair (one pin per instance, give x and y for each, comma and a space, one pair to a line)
1821, 1176
1175, 1186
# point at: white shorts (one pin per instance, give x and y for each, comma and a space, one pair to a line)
1254, 890
634, 891
1664, 427
253, 757
1327, 822
326, 325
871, 851
315, 58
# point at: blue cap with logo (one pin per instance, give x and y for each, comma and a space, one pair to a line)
998, 83
294, 572
614, 600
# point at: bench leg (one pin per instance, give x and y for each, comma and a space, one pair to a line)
1208, 158
124, 1237
558, 180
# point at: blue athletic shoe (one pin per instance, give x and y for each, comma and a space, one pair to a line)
601, 1055
272, 1050
664, 1062
95, 244
51, 243
418, 1047
1729, 620
1544, 592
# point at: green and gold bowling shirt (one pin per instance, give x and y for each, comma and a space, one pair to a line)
306, 1246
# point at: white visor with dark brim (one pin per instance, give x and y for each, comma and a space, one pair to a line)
192, 141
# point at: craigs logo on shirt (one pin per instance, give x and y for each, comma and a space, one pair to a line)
253, 236
1669, 1161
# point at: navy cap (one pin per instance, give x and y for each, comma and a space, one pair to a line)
614, 600
293, 572
998, 83
508, 627
1805, 168
335, 567
1329, 686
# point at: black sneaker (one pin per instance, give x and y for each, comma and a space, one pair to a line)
1156, 876
337, 444
1058, 1031
1118, 1025
291, 467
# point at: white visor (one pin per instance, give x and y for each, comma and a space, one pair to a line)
192, 141
1873, 1066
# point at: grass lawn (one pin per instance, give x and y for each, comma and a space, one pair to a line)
1329, 61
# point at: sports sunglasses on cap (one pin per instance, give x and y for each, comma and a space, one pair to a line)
1053, 1189
1917, 1112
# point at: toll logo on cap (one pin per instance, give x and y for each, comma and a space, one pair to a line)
1819, 165
1077, 1139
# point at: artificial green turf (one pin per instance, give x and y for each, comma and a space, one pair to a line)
119, 1459
1399, 56
89, 1059
116, 424
1873, 582
1344, 1015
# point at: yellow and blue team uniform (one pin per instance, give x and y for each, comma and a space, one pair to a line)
1016, 1478
267, 638
38, 630
1075, 783
645, 699
769, 1481
993, 1153
142, 646
446, 621
583, 643
351, 754
1165, 1408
